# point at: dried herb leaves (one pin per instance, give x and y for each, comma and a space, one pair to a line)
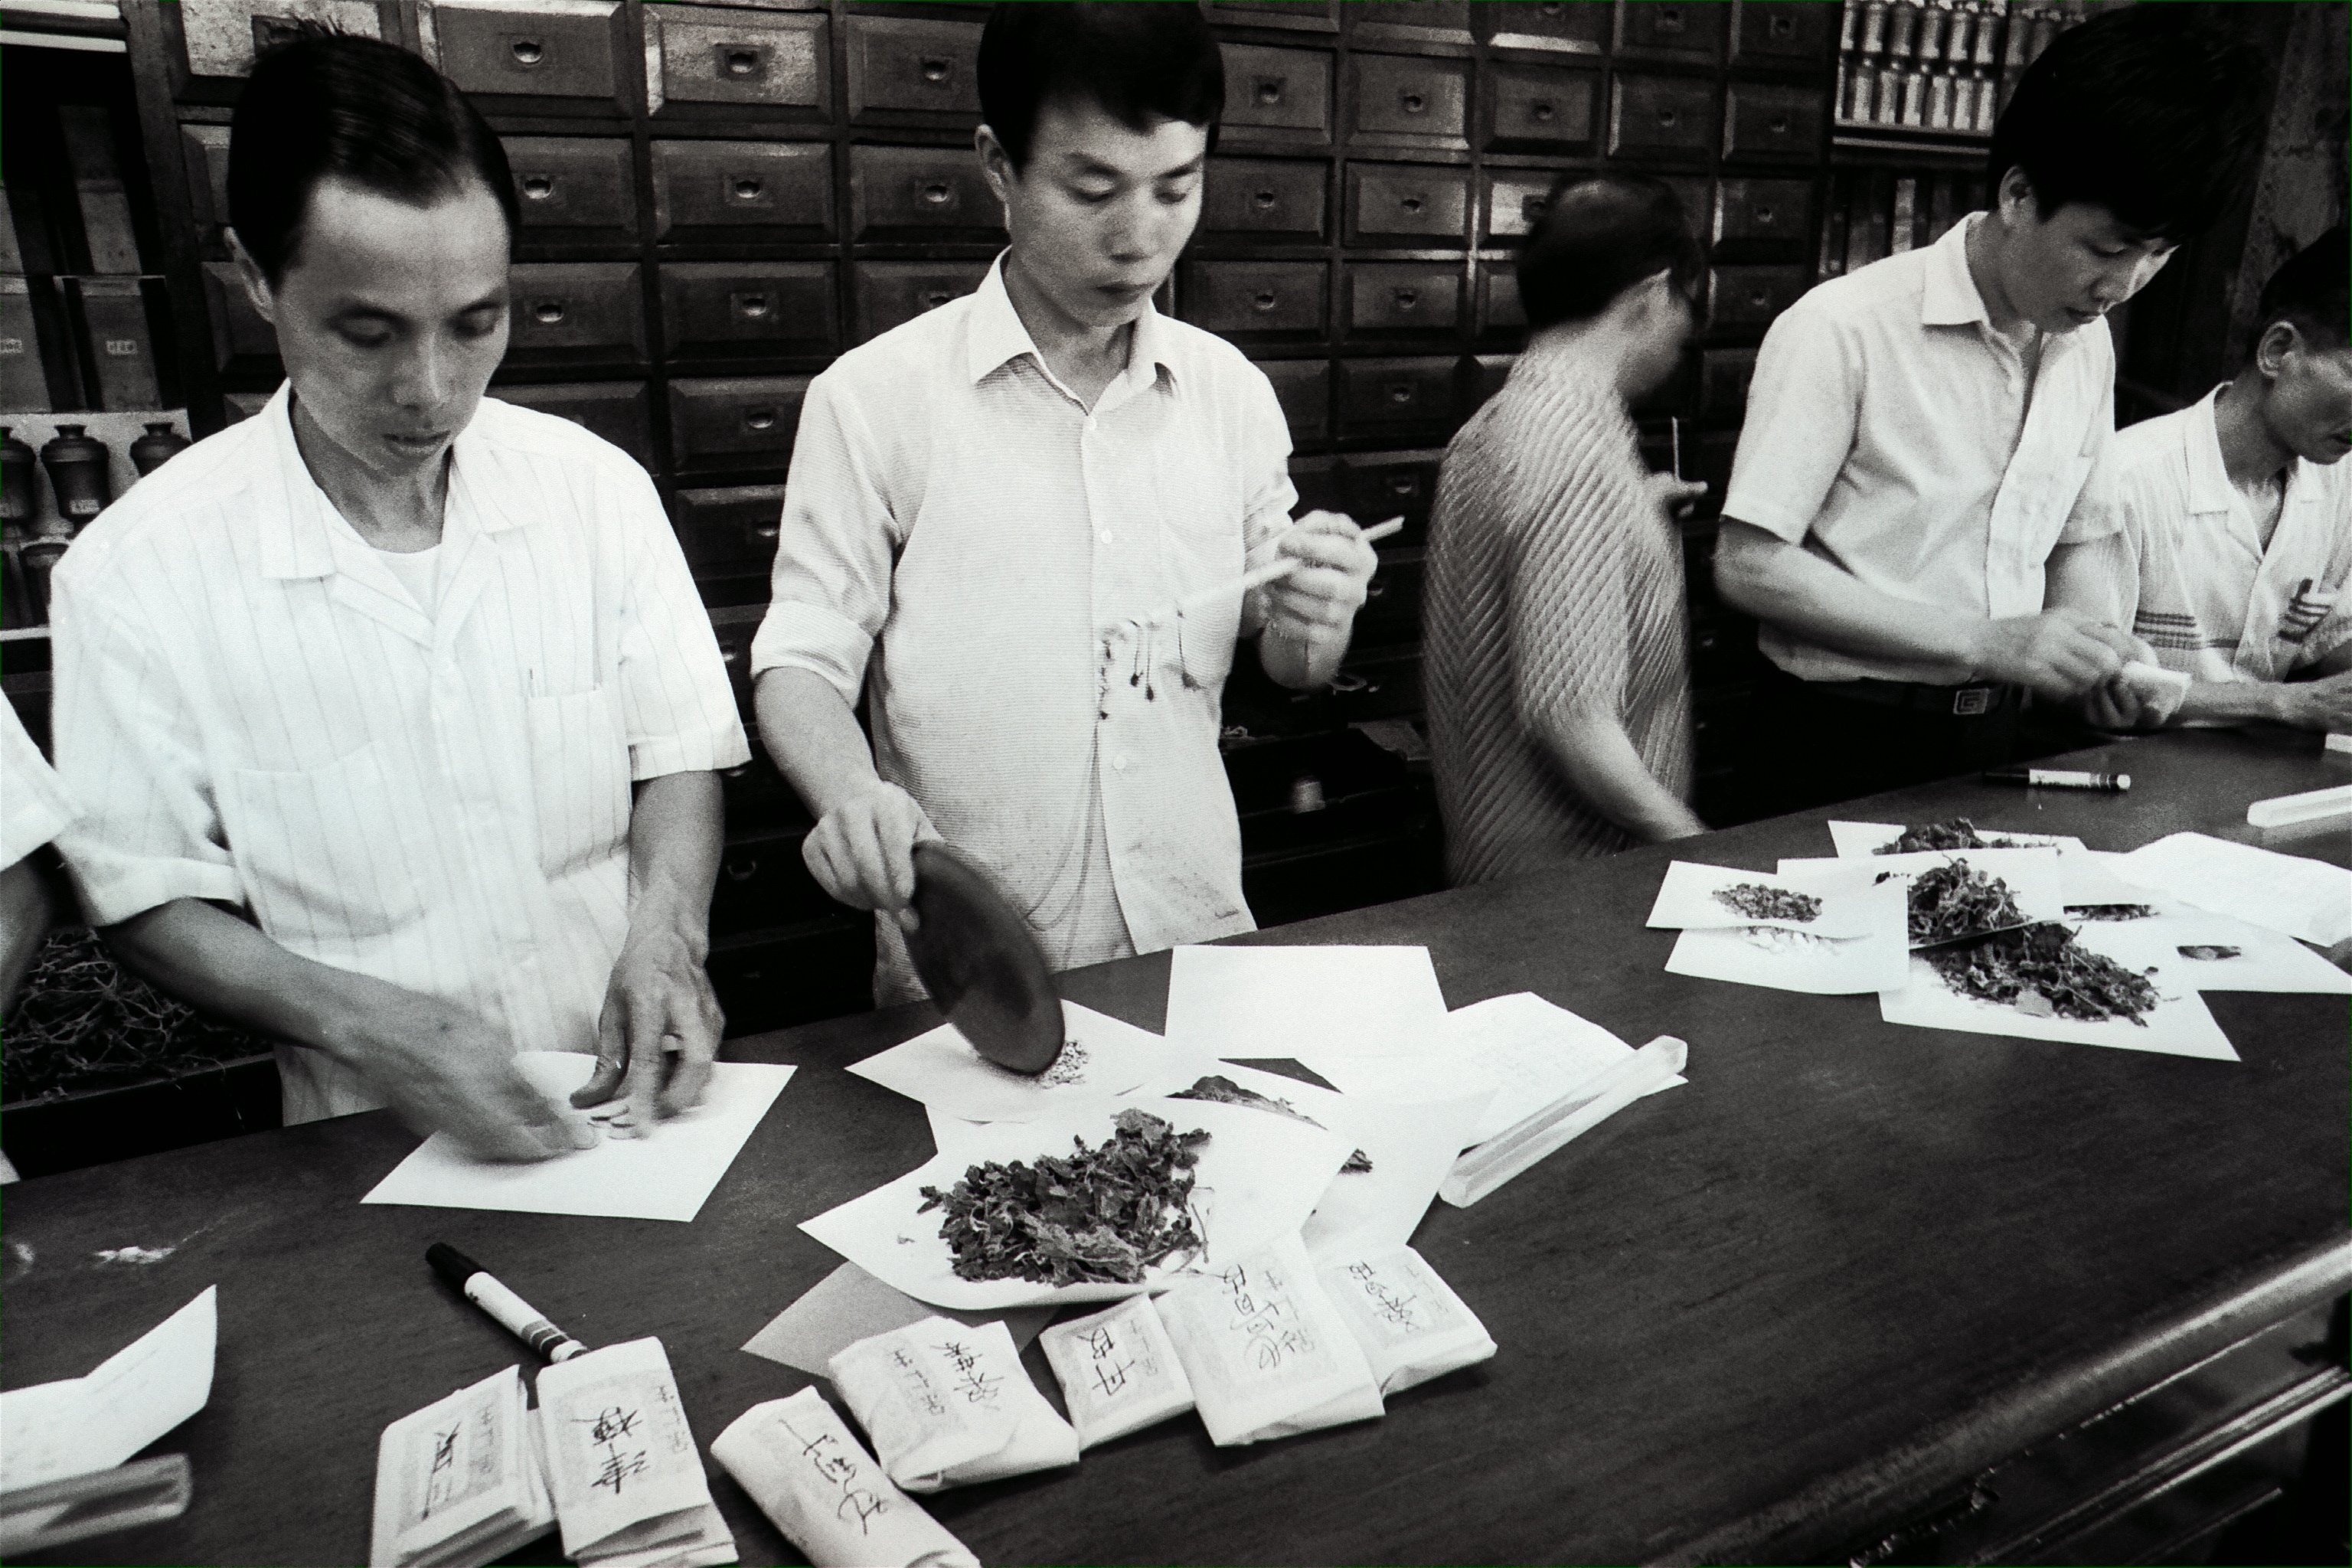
1957, 833
2044, 971
1094, 1215
1955, 901
1757, 902
2111, 911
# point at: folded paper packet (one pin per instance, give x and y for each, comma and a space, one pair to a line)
1411, 1325
1117, 1370
461, 1482
622, 1463
947, 1405
1267, 1353
817, 1484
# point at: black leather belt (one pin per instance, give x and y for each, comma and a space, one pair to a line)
1946, 701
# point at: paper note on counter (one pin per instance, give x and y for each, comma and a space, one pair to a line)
668, 1175
1786, 960
1320, 1006
1100, 1057
53, 1430
816, 1483
2179, 1024
461, 1482
1481, 1170
622, 1464
2307, 899
1695, 897
2213, 952
849, 1305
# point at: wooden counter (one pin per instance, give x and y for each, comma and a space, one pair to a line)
1855, 1290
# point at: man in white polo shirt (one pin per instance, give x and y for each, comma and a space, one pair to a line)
2236, 550
1922, 432
984, 504
355, 693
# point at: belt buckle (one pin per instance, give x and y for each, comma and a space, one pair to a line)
1972, 701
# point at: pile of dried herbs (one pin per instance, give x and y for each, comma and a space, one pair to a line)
1959, 833
2110, 912
1955, 900
2211, 951
82, 1022
1221, 1090
1100, 1214
2044, 971
1759, 902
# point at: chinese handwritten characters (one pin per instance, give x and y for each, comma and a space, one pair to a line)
459, 1480
813, 1477
1265, 1351
622, 1462
1117, 1370
1411, 1325
946, 1404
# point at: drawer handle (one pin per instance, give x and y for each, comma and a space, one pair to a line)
742, 61
1763, 213
1667, 116
935, 68
1531, 207
1759, 297
935, 297
527, 52
1264, 299
1264, 201
268, 32
1347, 684
1782, 26
1270, 89
1406, 298
745, 187
759, 418
1375, 589
752, 307
1780, 124
1670, 18
742, 867
763, 532
1414, 103
1401, 393
1410, 204
731, 655
1541, 111
1552, 8
937, 193
537, 187
547, 313
1402, 485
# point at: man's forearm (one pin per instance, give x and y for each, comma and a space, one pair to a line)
208, 957
26, 912
2231, 702
676, 829
814, 738
1596, 757
1299, 663
1788, 586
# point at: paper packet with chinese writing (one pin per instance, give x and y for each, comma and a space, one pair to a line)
1265, 1351
461, 1483
816, 1482
622, 1463
1117, 1370
1411, 1323
947, 1405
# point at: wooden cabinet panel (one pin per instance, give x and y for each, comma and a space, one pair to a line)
574, 190
1487, 374
742, 191
1689, 31
219, 38
1263, 199
204, 152
734, 422
528, 49
1540, 108
1303, 387
1403, 299
1257, 301
616, 410
1752, 296
1664, 116
576, 314
1379, 395
1409, 98
730, 532
1764, 210
707, 55
1515, 200
1783, 32
1307, 16
912, 68
920, 193
245, 345
1381, 485
1277, 94
1407, 204
1722, 378
1499, 310
887, 293
1572, 27
1771, 124
750, 309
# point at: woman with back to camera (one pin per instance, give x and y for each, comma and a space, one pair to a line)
1557, 683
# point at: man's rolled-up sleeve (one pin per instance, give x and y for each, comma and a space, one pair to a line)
676, 701
829, 593
128, 752
1804, 407
34, 807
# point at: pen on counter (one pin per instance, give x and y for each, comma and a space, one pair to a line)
2059, 778
510, 1311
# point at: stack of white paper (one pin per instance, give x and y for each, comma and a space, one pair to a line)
50, 1431
461, 1483
622, 1464
1325, 1006
2304, 898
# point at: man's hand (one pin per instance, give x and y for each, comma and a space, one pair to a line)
1673, 496
1317, 602
444, 1071
2059, 654
2321, 704
862, 852
658, 1006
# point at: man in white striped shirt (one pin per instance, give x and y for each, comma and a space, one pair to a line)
376, 670
989, 506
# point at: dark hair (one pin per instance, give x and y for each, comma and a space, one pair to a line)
2146, 112
323, 106
2308, 290
1138, 61
1598, 235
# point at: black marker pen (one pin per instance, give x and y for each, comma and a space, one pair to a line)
2059, 778
510, 1311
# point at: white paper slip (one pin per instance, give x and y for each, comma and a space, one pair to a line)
460, 1483
1100, 1057
1315, 1005
53, 1430
849, 1305
2179, 1025
1411, 1323
1266, 1350
666, 1174
1695, 897
818, 1485
2307, 899
2213, 952
1478, 1171
1117, 1370
1786, 960
1865, 839
622, 1464
948, 1407
1255, 1176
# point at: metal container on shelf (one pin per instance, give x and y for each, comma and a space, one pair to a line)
39, 556
20, 485
77, 464
161, 442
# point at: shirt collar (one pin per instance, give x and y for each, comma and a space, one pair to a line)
2209, 489
1950, 297
994, 336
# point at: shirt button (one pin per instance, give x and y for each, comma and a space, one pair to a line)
1106, 536
1120, 761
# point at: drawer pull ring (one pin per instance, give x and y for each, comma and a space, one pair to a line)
1264, 201
764, 532
754, 306
747, 187
537, 187
759, 418
937, 193
528, 51
1552, 8
742, 868
936, 298
1763, 213
1540, 112
1264, 299
740, 60
1531, 207
1402, 485
1407, 298
1670, 18
1410, 204
1401, 393
1666, 117
1270, 89
1779, 125
1782, 26
935, 69
1759, 297
1414, 103
547, 313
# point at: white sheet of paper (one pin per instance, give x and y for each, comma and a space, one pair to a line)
849, 1305
2178, 1026
1101, 1057
1529, 1051
1258, 1176
2223, 954
1864, 838
1686, 902
666, 1176
1796, 961
2304, 898
1314, 1005
51, 1431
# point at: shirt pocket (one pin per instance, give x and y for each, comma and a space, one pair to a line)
579, 778
325, 852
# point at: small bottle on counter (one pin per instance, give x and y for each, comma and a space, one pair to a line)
77, 464
161, 442
20, 487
